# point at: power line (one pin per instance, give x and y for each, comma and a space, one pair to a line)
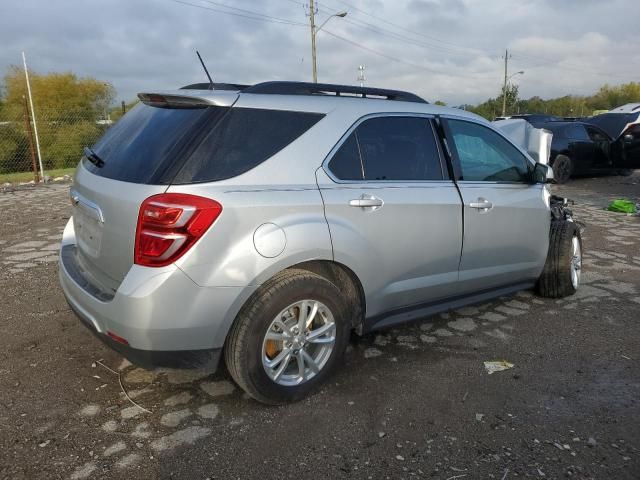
252, 16
572, 67
251, 12
390, 33
384, 55
400, 27
546, 61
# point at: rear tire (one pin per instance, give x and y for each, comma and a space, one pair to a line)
561, 274
624, 172
562, 169
274, 312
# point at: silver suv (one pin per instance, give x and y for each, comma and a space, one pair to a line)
265, 223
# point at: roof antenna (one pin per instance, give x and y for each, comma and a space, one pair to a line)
205, 70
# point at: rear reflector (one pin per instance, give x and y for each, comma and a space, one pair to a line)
169, 224
117, 338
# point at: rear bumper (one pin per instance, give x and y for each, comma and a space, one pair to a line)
167, 319
206, 359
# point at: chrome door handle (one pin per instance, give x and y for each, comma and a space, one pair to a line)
366, 201
481, 204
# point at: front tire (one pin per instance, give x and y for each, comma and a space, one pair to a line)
562, 169
562, 270
288, 337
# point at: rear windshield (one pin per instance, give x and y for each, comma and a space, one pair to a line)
155, 145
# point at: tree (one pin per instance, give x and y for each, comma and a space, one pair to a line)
61, 95
606, 98
511, 92
67, 108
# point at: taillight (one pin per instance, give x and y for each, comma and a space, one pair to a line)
169, 224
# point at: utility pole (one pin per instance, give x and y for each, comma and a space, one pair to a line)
504, 87
312, 21
314, 31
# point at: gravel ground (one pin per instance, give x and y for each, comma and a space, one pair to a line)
409, 402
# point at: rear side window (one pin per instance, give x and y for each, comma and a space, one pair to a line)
155, 145
389, 148
242, 139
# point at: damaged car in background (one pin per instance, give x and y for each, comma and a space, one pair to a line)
603, 144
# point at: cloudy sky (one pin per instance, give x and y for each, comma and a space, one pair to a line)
442, 49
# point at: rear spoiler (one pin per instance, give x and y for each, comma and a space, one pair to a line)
186, 99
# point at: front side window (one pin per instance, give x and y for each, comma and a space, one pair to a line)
485, 156
389, 149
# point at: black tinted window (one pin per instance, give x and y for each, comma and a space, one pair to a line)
147, 141
486, 156
596, 135
185, 145
242, 139
576, 132
389, 148
346, 163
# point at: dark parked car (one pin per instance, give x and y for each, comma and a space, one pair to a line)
536, 119
580, 148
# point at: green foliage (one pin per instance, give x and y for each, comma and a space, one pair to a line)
13, 150
61, 93
68, 109
62, 146
606, 98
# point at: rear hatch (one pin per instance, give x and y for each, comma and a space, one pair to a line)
169, 139
136, 158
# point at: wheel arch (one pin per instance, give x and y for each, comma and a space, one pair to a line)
338, 274
347, 281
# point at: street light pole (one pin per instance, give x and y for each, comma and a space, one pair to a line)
314, 32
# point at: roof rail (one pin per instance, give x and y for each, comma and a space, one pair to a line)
305, 88
216, 86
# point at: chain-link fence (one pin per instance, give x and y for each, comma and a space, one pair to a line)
61, 135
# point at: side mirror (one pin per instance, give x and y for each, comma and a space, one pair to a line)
542, 173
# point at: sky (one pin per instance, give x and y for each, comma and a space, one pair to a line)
449, 50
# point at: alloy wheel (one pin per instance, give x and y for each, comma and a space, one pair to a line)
298, 342
576, 261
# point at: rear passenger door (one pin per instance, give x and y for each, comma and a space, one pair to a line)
506, 217
584, 151
394, 215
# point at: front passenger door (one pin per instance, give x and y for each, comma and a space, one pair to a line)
506, 217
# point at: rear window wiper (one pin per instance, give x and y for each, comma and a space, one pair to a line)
93, 157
